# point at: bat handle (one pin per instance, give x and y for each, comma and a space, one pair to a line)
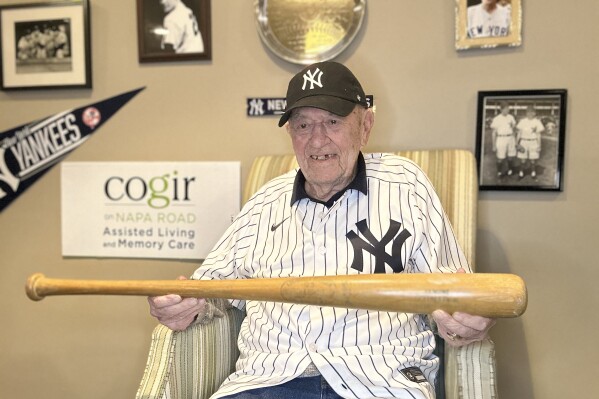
31, 286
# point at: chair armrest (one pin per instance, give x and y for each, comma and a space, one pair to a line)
470, 371
158, 365
191, 363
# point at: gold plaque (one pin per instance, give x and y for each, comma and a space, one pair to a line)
307, 31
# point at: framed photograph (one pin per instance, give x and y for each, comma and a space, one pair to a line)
173, 30
488, 23
521, 139
45, 46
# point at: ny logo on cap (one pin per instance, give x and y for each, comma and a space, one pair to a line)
310, 76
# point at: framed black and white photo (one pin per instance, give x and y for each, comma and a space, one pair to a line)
45, 46
488, 23
173, 30
521, 139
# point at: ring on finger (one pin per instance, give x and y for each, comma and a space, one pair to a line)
453, 336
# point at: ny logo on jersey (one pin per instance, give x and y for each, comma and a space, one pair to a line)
310, 76
377, 248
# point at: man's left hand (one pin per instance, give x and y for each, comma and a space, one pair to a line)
460, 328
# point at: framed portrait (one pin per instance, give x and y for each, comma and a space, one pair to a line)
173, 30
45, 46
521, 139
488, 23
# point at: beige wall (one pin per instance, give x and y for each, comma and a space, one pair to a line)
425, 91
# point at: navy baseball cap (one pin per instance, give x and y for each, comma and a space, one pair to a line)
327, 85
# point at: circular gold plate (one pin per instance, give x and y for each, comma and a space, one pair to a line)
307, 31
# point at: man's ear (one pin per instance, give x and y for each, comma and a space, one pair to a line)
367, 123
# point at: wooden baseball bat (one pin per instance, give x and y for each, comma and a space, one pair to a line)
490, 295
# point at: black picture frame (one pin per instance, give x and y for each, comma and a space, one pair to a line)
157, 44
45, 46
531, 157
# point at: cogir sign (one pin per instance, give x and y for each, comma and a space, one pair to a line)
153, 210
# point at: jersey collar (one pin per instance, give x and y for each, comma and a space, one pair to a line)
358, 183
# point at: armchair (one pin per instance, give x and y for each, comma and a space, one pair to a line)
194, 362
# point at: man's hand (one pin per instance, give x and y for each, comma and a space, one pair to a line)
462, 328
175, 312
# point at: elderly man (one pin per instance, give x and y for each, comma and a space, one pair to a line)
341, 213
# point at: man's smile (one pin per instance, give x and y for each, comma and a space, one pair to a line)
324, 157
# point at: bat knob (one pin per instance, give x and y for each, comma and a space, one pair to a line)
30, 287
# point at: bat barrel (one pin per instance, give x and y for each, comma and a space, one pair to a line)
491, 295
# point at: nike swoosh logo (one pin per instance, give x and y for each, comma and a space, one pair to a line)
276, 226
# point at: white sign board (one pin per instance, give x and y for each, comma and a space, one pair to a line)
174, 210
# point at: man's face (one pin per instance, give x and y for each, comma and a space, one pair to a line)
530, 113
505, 110
326, 145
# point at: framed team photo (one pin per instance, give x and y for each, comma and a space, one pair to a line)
173, 30
488, 23
45, 46
521, 139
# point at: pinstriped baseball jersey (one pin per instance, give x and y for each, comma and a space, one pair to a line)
398, 225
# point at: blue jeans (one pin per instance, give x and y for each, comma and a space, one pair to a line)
299, 388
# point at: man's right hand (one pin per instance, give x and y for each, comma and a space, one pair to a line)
175, 312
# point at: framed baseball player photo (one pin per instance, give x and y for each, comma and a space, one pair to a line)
521, 139
45, 46
488, 23
173, 30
